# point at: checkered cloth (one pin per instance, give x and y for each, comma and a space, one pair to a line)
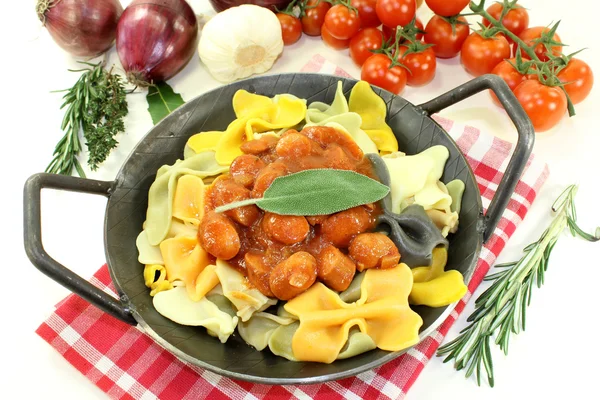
126, 364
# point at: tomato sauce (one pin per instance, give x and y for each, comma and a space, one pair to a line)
268, 241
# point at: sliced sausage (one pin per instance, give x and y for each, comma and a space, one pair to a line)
293, 276
286, 229
258, 272
266, 176
225, 191
259, 146
245, 168
337, 158
218, 236
340, 228
374, 250
335, 269
293, 145
325, 135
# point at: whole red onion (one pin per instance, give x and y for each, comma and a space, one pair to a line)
156, 39
84, 28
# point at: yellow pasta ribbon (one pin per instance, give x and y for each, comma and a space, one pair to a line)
204, 141
372, 109
254, 114
245, 104
188, 201
158, 287
435, 287
382, 312
156, 284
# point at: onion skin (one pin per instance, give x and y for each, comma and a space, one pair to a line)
156, 39
273, 5
83, 28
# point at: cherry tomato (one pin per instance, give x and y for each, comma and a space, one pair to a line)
480, 55
366, 12
581, 77
390, 33
515, 20
545, 105
395, 13
376, 70
314, 17
341, 22
447, 8
529, 35
509, 74
447, 42
291, 28
363, 42
337, 44
421, 65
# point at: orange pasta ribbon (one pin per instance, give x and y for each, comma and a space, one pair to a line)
382, 312
185, 260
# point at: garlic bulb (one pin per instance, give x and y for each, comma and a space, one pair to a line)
240, 41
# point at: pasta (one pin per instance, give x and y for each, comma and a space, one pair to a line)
339, 116
188, 201
162, 191
148, 254
254, 113
415, 179
382, 312
194, 283
435, 287
184, 259
372, 111
180, 308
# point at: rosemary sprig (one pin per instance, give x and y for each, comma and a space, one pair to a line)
96, 105
501, 310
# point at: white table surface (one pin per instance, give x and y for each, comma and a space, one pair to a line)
553, 357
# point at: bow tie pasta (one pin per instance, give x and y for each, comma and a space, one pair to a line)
307, 288
415, 179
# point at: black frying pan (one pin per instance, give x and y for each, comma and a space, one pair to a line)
127, 203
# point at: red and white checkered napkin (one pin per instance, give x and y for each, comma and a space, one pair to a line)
126, 364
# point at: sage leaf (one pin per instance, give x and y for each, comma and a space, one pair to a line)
316, 192
162, 100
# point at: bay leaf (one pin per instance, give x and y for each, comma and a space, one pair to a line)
162, 100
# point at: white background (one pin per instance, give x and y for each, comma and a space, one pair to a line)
556, 356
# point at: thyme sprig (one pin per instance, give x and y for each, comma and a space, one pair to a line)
500, 311
96, 106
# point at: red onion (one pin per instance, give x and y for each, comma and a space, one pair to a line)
84, 28
156, 39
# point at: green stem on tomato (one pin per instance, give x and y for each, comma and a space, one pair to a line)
480, 10
570, 106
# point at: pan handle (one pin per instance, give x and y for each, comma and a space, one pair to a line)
524, 143
40, 258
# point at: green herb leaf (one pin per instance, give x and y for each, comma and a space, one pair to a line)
96, 106
162, 100
316, 192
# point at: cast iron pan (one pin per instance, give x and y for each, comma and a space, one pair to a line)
127, 203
